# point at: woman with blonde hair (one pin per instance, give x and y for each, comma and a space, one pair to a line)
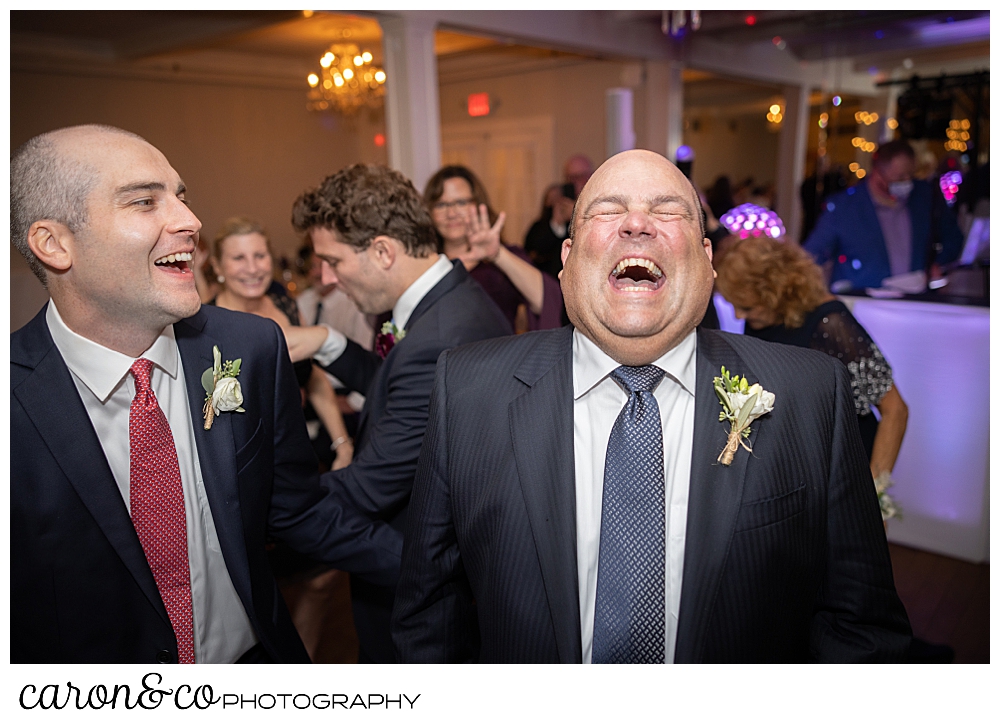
243, 265
780, 292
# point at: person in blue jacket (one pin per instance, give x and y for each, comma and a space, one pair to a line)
888, 224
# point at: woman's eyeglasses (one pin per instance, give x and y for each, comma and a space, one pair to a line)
459, 205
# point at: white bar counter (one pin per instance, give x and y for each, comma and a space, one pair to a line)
940, 358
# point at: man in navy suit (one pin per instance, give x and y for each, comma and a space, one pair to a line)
378, 243
137, 528
572, 503
888, 224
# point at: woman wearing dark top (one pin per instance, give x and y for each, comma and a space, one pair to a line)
544, 239
469, 230
241, 258
780, 292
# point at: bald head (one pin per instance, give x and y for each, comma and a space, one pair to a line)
51, 176
629, 162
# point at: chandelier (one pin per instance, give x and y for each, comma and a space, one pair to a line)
346, 81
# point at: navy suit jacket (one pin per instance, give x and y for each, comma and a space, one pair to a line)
81, 589
849, 233
398, 390
785, 557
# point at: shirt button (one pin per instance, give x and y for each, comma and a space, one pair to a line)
163, 657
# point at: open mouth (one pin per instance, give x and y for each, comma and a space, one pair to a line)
636, 275
176, 261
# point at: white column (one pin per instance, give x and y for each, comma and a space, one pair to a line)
618, 121
664, 123
675, 109
792, 159
412, 113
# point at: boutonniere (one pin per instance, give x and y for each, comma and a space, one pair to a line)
742, 403
387, 338
223, 393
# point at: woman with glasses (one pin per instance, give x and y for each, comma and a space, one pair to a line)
468, 229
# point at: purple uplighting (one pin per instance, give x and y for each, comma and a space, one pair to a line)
748, 220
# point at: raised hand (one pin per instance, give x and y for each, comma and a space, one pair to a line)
484, 240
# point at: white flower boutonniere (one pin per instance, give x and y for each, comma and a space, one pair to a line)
223, 393
742, 403
387, 338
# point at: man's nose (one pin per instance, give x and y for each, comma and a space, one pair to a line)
327, 275
637, 224
183, 220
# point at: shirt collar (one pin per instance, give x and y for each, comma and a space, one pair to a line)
591, 364
418, 290
102, 369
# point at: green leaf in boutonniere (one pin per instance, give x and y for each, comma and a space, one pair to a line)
222, 389
742, 403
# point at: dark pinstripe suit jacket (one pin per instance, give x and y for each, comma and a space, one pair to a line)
785, 556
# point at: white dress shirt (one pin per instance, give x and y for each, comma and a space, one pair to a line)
597, 402
336, 342
222, 630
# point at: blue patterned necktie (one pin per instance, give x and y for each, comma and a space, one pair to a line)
629, 612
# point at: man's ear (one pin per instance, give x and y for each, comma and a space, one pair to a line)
385, 249
52, 243
566, 246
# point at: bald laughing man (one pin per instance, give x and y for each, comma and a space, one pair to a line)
570, 504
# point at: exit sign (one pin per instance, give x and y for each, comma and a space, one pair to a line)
479, 104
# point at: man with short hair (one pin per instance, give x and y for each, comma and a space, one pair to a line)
580, 499
887, 225
156, 443
378, 243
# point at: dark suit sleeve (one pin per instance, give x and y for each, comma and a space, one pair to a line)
434, 619
379, 480
822, 242
859, 617
949, 234
306, 515
356, 367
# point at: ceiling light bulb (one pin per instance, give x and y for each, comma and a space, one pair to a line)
358, 60
313, 80
366, 57
348, 73
775, 108
380, 76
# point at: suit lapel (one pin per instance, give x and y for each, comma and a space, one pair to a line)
216, 448
714, 496
50, 398
541, 423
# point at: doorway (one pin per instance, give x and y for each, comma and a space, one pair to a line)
513, 158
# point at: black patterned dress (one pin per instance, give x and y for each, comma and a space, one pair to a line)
831, 328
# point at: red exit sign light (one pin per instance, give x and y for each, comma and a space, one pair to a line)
479, 104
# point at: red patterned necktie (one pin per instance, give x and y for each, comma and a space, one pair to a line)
157, 506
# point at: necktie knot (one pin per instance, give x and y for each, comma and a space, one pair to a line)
142, 370
638, 379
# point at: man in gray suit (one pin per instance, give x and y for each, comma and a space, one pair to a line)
572, 503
